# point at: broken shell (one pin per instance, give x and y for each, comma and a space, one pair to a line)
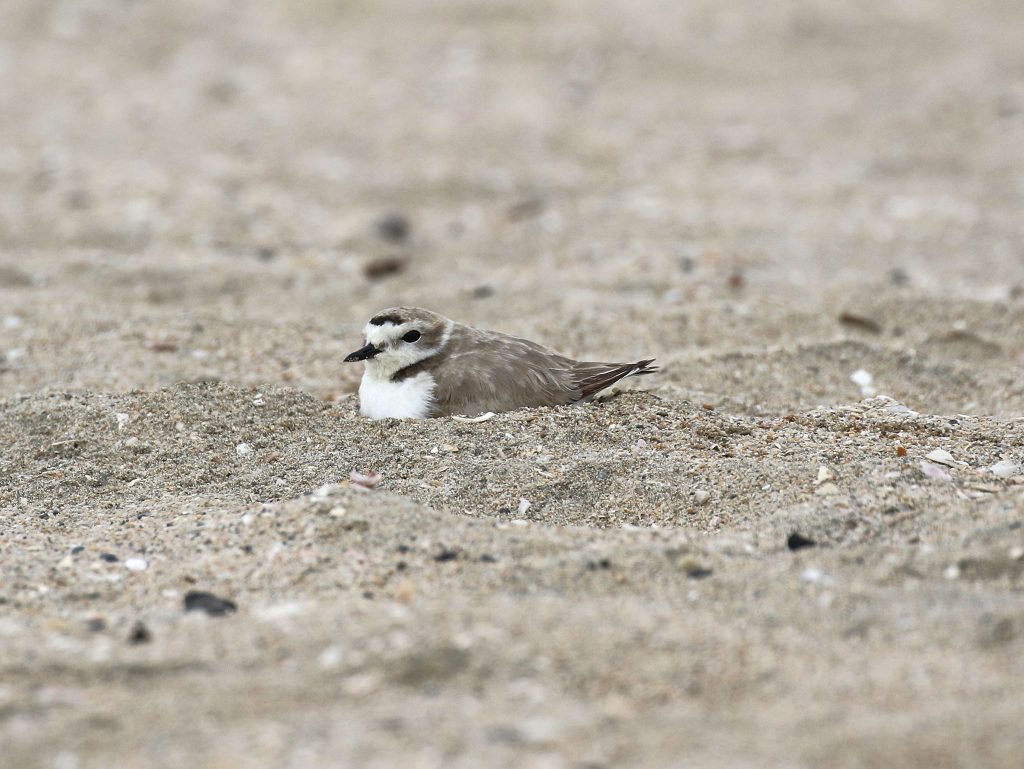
368, 479
941, 456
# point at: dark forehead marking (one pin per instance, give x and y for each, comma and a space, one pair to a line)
380, 320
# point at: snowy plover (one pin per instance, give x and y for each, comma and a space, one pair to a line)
420, 364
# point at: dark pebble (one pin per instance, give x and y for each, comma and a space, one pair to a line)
604, 563
77, 549
860, 321
699, 572
483, 292
394, 228
446, 554
200, 600
797, 541
139, 634
108, 557
488, 558
96, 624
899, 277
384, 267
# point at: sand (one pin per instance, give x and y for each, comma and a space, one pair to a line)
800, 544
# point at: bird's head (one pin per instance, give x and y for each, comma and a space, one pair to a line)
399, 337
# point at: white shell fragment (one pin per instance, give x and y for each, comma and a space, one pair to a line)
1005, 468
524, 505
941, 456
482, 418
368, 479
863, 379
935, 471
136, 564
242, 449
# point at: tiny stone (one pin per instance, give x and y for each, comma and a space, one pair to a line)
199, 600
330, 658
446, 554
139, 634
701, 496
811, 575
108, 557
797, 541
136, 564
242, 449
394, 228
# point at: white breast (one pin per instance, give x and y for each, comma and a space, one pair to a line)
409, 399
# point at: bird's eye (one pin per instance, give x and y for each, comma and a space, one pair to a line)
412, 336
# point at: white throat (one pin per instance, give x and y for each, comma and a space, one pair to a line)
410, 398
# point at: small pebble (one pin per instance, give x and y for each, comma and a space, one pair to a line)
136, 564
524, 505
701, 496
108, 557
200, 600
242, 449
405, 592
139, 634
811, 575
330, 658
394, 228
797, 541
384, 267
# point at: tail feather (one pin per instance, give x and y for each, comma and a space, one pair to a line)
594, 377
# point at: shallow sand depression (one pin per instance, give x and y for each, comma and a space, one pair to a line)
800, 544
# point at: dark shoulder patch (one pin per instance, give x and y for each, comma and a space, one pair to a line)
380, 320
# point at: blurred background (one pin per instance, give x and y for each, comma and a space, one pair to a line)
209, 189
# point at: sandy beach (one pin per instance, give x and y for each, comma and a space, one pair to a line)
800, 544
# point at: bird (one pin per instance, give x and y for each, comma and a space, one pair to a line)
420, 364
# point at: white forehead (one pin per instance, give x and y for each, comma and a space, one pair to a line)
385, 332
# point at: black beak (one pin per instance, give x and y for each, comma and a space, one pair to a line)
363, 353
